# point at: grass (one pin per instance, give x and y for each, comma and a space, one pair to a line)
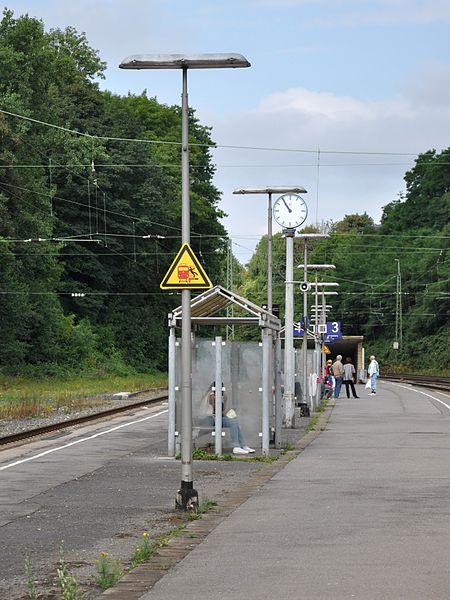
108, 571
25, 397
313, 421
207, 454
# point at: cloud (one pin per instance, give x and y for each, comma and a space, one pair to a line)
356, 169
329, 106
428, 84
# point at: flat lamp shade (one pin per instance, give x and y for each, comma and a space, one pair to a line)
272, 190
184, 61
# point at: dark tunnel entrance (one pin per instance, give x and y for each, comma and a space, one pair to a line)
351, 345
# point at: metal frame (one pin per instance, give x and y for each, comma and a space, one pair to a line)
204, 309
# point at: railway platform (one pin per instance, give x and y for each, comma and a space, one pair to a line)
362, 512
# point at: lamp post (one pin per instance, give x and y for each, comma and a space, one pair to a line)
398, 309
187, 497
306, 238
269, 191
318, 286
313, 267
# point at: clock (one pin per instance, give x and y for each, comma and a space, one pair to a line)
290, 211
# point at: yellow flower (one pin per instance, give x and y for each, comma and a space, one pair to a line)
104, 554
145, 534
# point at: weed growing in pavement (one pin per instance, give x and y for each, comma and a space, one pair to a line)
322, 406
147, 549
108, 571
66, 581
287, 448
203, 508
32, 593
144, 551
313, 421
203, 454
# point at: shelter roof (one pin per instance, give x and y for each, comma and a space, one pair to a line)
206, 307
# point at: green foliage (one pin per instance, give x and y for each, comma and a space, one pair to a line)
144, 551
66, 581
98, 196
108, 571
414, 230
32, 593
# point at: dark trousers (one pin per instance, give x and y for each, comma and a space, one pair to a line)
352, 385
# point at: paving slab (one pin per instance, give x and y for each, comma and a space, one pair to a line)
362, 512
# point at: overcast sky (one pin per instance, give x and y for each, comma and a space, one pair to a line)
351, 82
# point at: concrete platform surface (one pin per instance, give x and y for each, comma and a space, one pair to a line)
363, 512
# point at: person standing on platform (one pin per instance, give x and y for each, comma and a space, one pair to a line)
349, 376
328, 380
338, 370
373, 371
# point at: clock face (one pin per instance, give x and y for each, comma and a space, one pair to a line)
290, 211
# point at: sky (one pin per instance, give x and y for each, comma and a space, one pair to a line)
340, 98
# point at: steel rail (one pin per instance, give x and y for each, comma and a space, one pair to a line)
430, 381
37, 431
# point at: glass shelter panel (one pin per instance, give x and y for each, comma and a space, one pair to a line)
245, 360
241, 380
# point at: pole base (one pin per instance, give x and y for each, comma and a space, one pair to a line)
187, 497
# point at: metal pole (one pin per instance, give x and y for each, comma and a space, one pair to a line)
278, 397
270, 349
187, 497
266, 389
171, 395
219, 400
288, 395
397, 296
317, 348
269, 254
323, 320
400, 306
305, 327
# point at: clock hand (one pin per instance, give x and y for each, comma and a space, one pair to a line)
285, 203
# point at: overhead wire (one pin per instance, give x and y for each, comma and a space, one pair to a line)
212, 145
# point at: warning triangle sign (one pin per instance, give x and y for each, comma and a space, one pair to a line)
185, 272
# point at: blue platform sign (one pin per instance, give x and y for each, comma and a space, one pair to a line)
333, 331
298, 327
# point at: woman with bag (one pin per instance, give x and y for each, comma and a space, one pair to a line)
373, 371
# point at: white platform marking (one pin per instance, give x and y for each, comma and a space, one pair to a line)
90, 437
412, 389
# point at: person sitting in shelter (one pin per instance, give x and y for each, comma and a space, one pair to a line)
229, 420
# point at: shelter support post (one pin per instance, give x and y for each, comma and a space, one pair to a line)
171, 395
266, 389
278, 394
218, 397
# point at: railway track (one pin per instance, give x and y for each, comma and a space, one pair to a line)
436, 383
57, 426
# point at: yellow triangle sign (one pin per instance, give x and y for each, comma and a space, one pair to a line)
185, 272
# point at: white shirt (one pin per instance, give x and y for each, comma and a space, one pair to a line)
373, 368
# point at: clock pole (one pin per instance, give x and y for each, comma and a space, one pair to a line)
288, 395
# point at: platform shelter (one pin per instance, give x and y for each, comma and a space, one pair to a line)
244, 375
